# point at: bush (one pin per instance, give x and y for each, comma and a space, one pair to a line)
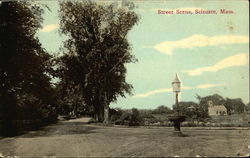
162, 110
132, 118
124, 119
146, 115
115, 114
135, 119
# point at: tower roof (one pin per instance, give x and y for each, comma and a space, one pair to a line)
176, 79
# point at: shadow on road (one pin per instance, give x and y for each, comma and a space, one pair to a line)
60, 128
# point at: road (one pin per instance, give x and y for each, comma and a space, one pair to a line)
76, 138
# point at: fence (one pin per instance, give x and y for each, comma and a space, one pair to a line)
22, 125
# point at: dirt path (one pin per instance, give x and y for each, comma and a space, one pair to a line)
76, 138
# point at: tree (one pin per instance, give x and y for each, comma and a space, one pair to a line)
184, 109
96, 51
203, 102
162, 110
135, 119
71, 100
24, 64
247, 107
234, 105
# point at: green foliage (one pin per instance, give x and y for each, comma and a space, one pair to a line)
234, 105
162, 110
124, 119
71, 101
203, 103
115, 114
96, 51
184, 108
248, 107
147, 113
136, 119
24, 65
130, 118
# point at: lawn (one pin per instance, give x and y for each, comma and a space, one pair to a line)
79, 139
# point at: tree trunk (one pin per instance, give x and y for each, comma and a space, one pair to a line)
106, 114
101, 111
98, 110
105, 109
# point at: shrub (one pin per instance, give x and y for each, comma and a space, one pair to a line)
132, 118
115, 114
135, 119
162, 110
124, 119
146, 114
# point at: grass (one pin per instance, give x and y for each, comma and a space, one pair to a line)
234, 120
72, 139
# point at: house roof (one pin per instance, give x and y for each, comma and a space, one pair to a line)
191, 107
218, 107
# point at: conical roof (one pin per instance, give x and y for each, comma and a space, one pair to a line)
176, 80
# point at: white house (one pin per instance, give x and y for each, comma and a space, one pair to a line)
216, 110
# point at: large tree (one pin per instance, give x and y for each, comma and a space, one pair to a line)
191, 110
234, 105
247, 107
96, 51
25, 89
203, 102
162, 109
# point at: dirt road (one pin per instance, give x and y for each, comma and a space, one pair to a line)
76, 138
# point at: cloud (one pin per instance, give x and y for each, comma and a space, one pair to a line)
49, 28
194, 41
143, 95
205, 86
164, 90
235, 60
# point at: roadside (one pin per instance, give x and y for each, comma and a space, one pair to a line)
77, 138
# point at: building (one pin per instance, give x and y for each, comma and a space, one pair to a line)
216, 110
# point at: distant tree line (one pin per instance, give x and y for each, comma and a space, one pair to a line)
192, 110
234, 105
200, 109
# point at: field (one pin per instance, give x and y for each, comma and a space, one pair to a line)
234, 120
76, 138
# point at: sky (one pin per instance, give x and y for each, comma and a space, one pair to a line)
209, 52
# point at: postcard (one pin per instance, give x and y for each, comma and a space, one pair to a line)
126, 78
